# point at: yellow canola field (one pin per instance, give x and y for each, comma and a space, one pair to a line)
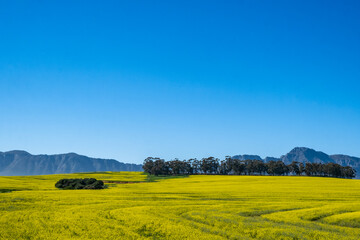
195, 207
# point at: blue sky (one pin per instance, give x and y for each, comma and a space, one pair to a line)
132, 79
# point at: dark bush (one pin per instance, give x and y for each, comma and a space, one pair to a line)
80, 183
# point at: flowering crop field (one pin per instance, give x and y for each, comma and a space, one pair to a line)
195, 207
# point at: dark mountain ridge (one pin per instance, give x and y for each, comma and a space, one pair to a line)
303, 154
18, 163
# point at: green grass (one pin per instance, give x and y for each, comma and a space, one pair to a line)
194, 207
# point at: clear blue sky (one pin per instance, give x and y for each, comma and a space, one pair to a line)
132, 79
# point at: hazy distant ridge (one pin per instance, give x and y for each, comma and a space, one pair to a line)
14, 163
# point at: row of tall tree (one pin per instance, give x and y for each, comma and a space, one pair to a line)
230, 166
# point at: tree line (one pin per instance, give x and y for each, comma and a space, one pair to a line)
231, 166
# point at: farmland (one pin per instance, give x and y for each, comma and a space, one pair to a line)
194, 207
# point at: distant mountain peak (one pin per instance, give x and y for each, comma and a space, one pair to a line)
302, 150
304, 154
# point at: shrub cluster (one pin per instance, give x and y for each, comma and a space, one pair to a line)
80, 183
211, 165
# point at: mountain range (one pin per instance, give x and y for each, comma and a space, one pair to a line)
303, 154
18, 163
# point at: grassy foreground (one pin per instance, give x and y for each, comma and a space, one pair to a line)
195, 207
